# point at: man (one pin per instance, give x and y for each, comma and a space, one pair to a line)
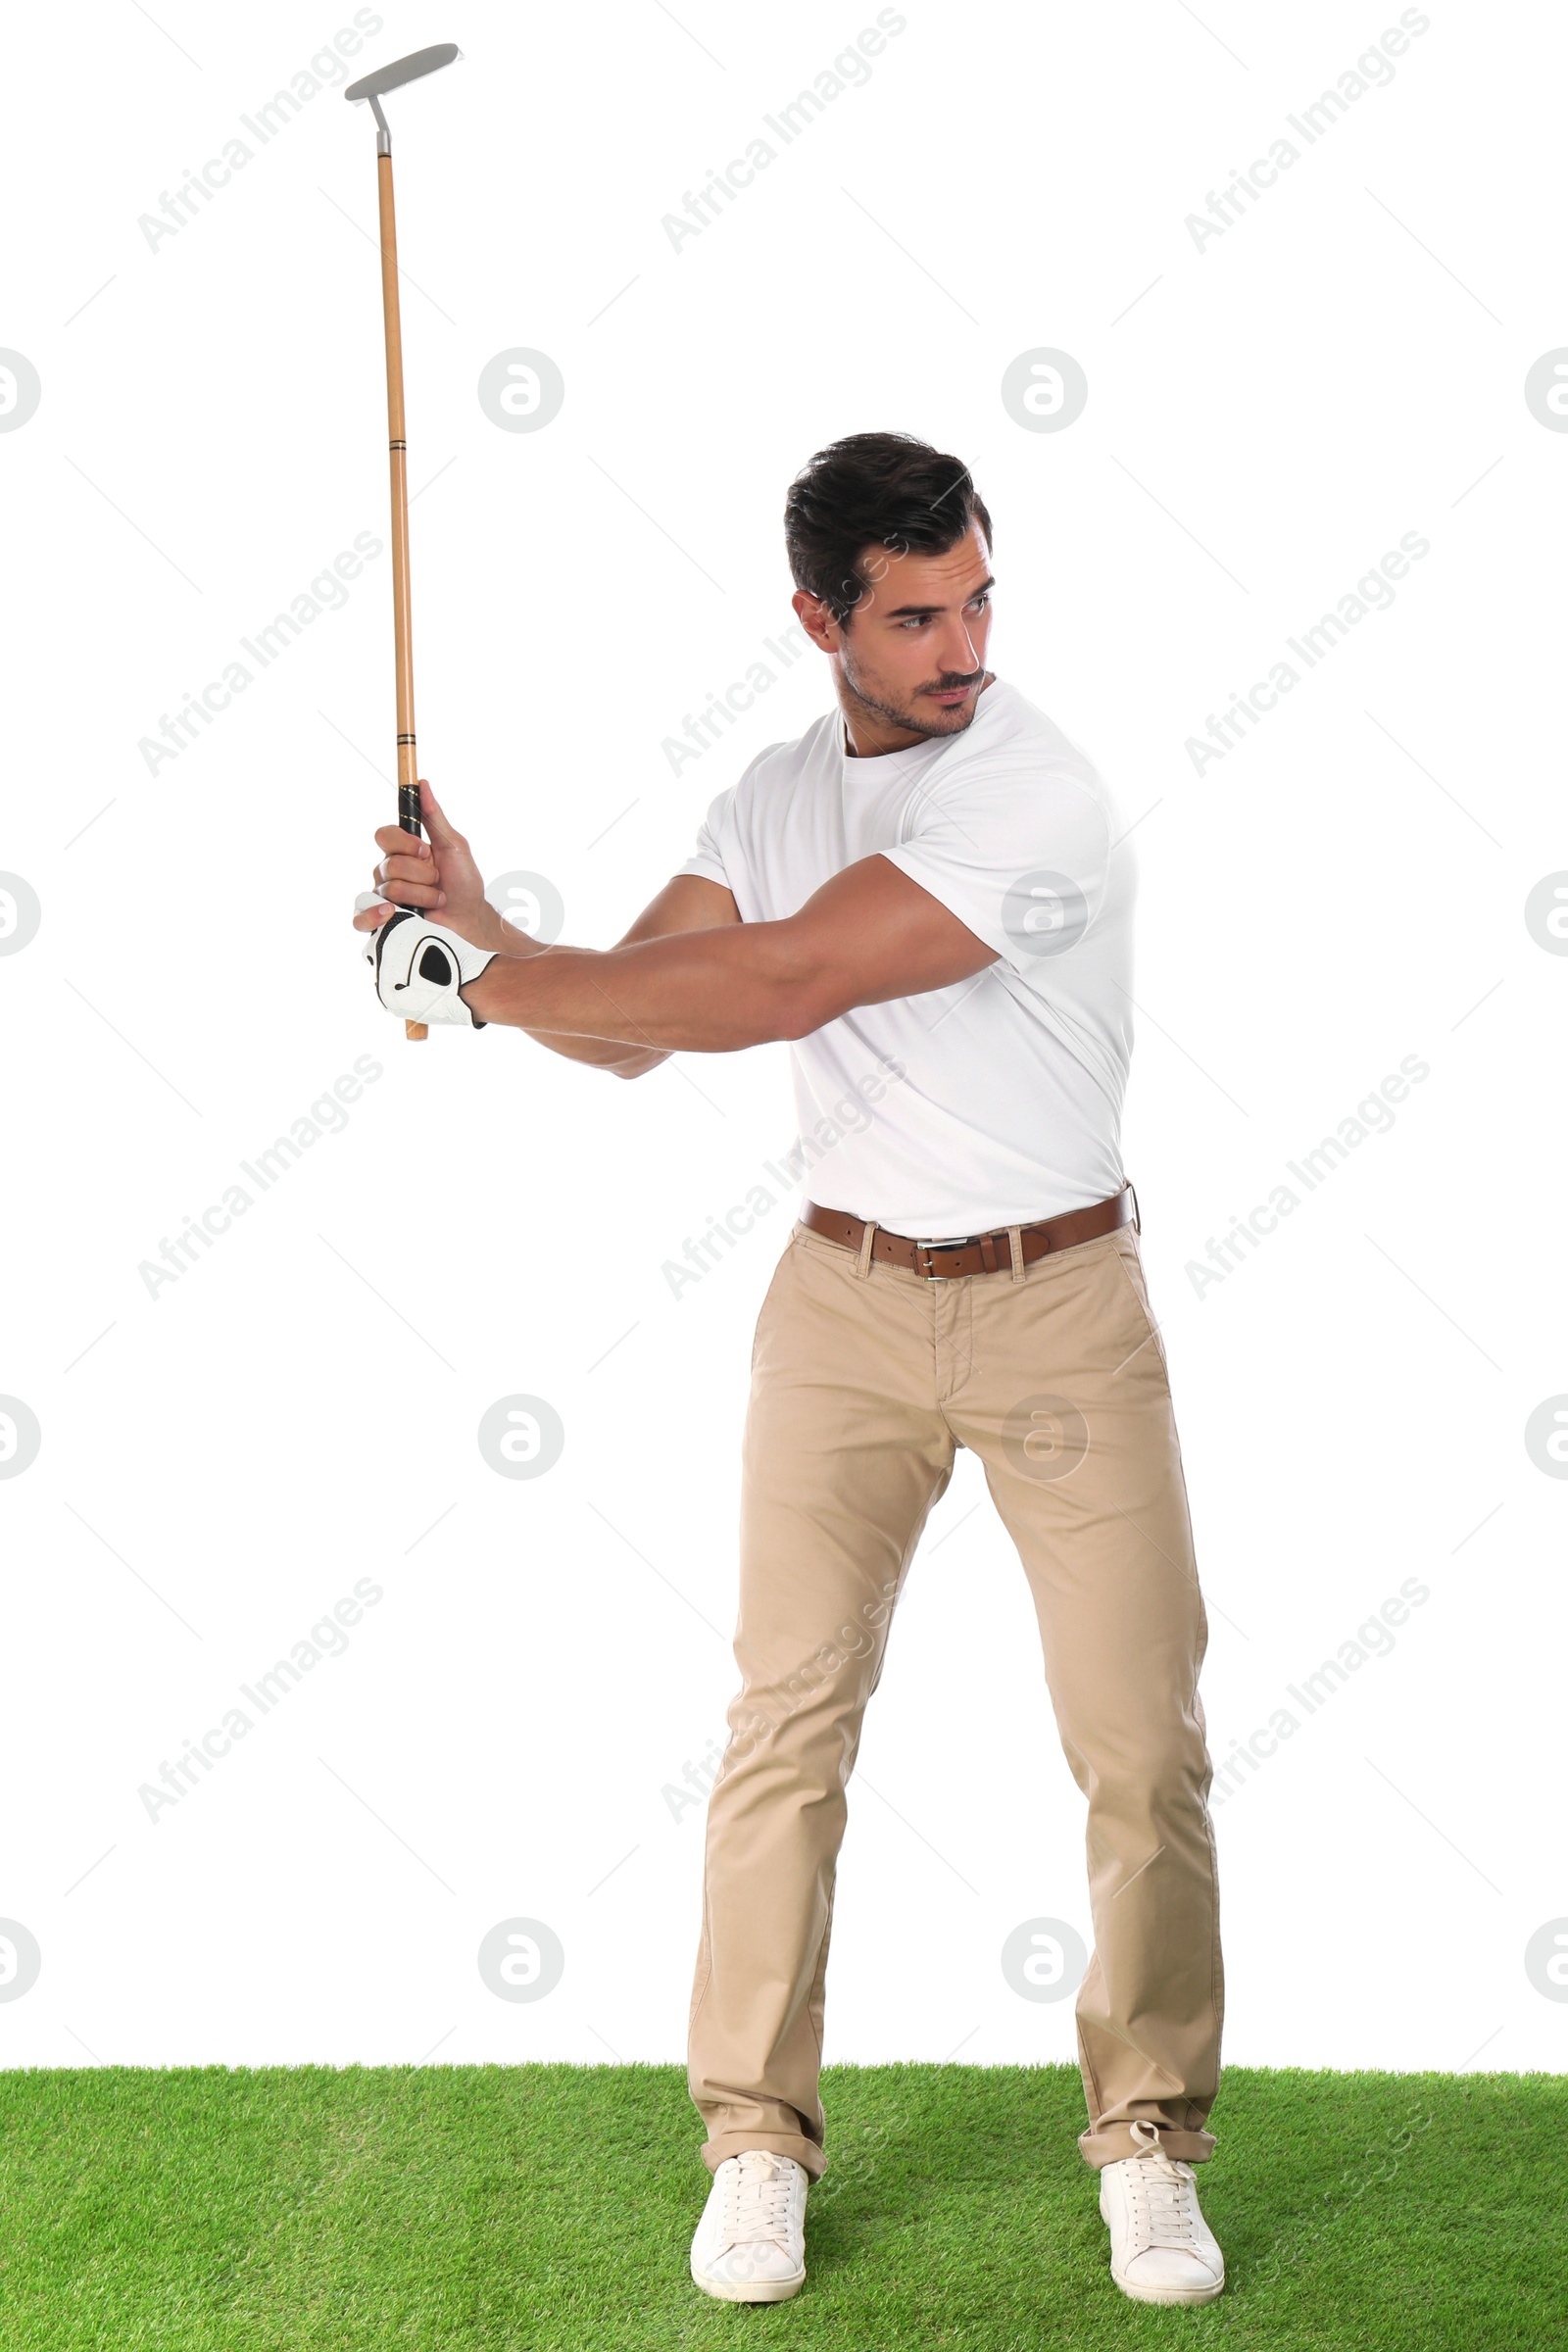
930, 896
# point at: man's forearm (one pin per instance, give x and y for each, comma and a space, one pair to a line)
599, 1052
695, 992
868, 934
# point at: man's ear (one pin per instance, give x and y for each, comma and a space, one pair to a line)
817, 621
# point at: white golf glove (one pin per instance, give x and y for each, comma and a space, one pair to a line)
420, 966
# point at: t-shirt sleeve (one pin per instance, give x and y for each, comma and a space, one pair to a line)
707, 859
1018, 854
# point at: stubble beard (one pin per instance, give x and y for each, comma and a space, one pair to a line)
916, 721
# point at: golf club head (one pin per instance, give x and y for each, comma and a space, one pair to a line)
413, 67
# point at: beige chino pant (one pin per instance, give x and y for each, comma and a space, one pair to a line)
866, 1379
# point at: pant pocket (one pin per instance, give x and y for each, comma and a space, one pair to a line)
1125, 1251
769, 1297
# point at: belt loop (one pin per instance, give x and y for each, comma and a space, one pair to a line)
1015, 1251
1138, 1220
866, 1238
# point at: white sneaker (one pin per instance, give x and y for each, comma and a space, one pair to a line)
750, 2245
1161, 2248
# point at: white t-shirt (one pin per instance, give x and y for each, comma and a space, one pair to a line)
996, 1101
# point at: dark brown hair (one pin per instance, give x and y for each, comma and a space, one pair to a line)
873, 490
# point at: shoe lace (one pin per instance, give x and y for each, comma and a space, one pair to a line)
756, 2199
1164, 2202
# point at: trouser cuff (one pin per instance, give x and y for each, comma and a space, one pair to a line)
806, 2152
1109, 2143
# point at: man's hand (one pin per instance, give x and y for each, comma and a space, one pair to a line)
440, 879
438, 876
420, 969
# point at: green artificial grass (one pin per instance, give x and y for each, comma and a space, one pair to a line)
552, 2206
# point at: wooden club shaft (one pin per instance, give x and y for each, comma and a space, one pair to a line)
402, 616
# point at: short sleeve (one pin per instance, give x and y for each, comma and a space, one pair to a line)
707, 859
1018, 853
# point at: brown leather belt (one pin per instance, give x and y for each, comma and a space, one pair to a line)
979, 1254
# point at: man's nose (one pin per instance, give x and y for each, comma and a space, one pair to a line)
958, 649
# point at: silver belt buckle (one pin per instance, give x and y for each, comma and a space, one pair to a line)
952, 1242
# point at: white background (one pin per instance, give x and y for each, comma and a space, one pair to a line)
220, 1462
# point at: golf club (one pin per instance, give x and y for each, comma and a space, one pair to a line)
374, 87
